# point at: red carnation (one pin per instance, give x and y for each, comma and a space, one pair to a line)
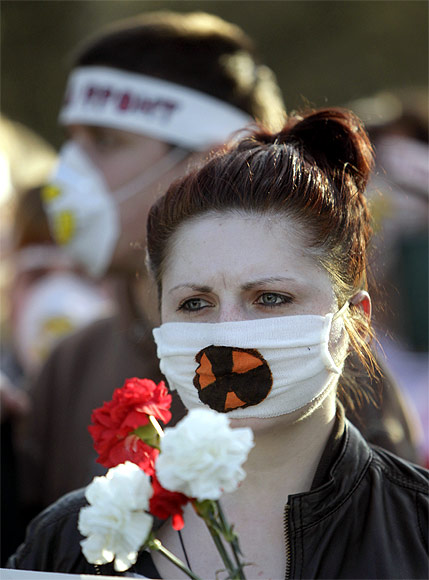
164, 504
114, 423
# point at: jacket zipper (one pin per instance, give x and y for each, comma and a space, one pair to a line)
287, 541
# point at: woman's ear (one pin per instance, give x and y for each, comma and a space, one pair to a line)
363, 300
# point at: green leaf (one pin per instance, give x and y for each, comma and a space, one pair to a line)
148, 434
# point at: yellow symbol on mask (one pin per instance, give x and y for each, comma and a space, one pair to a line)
52, 330
50, 192
64, 226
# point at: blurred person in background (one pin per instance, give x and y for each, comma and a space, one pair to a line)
146, 99
49, 295
25, 160
44, 298
399, 193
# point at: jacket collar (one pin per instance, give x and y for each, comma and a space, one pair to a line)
341, 467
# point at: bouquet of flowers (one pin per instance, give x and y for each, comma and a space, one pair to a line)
156, 473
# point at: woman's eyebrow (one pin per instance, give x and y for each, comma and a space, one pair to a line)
269, 280
191, 286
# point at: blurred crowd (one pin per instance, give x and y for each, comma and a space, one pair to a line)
398, 125
44, 297
50, 361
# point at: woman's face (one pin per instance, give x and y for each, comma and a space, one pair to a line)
226, 267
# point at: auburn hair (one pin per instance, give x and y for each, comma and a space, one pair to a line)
314, 170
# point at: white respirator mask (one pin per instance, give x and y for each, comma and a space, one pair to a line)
54, 306
83, 213
253, 368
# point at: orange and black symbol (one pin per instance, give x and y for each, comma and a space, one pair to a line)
229, 378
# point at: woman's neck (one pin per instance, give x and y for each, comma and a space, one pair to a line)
288, 449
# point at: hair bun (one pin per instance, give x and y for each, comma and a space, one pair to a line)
336, 140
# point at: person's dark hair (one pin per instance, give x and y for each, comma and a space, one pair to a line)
196, 49
315, 170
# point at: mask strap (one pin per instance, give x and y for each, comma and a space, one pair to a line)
341, 311
148, 177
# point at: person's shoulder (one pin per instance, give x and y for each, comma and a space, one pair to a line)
68, 506
397, 496
52, 541
80, 345
375, 460
97, 330
401, 472
60, 514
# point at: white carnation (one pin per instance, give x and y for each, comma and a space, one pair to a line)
202, 456
115, 523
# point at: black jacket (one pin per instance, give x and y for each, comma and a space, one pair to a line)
366, 516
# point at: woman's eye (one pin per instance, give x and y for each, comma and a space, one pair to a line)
273, 299
106, 143
106, 140
193, 305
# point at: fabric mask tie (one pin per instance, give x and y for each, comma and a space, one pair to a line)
172, 158
342, 310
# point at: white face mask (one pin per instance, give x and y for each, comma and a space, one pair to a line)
83, 213
54, 306
253, 368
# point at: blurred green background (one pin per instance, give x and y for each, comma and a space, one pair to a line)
323, 52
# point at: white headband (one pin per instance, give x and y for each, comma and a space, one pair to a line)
137, 103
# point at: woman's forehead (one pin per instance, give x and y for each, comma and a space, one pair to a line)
260, 246
243, 226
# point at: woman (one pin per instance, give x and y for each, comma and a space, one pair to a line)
260, 261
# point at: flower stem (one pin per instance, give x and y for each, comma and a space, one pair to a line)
156, 545
156, 425
233, 540
224, 555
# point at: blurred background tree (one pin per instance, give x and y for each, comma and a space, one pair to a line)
323, 52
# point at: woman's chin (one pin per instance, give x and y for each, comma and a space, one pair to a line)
324, 405
260, 424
